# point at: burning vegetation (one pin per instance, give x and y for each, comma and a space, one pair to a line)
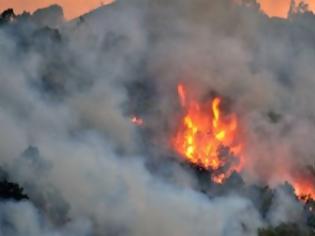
208, 138
100, 135
211, 139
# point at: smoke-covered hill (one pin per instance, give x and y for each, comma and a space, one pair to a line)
74, 163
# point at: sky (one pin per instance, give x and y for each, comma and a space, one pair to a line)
280, 7
74, 8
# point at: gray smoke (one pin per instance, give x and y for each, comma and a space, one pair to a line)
65, 109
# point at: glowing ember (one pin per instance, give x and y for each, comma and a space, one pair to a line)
137, 121
207, 138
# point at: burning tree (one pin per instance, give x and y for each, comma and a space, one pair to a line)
208, 138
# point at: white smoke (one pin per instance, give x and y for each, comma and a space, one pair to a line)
70, 143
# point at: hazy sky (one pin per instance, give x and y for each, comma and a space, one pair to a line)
280, 7
75, 8
72, 8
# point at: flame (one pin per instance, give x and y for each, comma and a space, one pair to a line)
137, 121
304, 185
204, 133
304, 192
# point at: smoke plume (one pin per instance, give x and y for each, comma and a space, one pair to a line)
69, 89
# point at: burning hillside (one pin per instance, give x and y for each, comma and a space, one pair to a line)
153, 117
211, 139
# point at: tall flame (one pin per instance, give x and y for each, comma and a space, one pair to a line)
204, 132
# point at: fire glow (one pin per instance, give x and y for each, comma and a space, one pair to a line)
304, 186
137, 121
210, 138
204, 133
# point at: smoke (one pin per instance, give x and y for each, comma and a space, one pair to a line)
262, 65
285, 208
67, 95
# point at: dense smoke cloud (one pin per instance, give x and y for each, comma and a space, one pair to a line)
67, 95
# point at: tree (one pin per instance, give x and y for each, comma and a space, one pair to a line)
7, 16
285, 230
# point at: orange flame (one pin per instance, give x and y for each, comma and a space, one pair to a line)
304, 191
304, 184
202, 135
204, 131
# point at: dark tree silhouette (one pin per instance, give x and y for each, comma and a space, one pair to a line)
7, 16
10, 190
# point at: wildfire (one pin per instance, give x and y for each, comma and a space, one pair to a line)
207, 138
210, 138
304, 185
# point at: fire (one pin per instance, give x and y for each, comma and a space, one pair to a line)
304, 191
304, 185
137, 121
207, 138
